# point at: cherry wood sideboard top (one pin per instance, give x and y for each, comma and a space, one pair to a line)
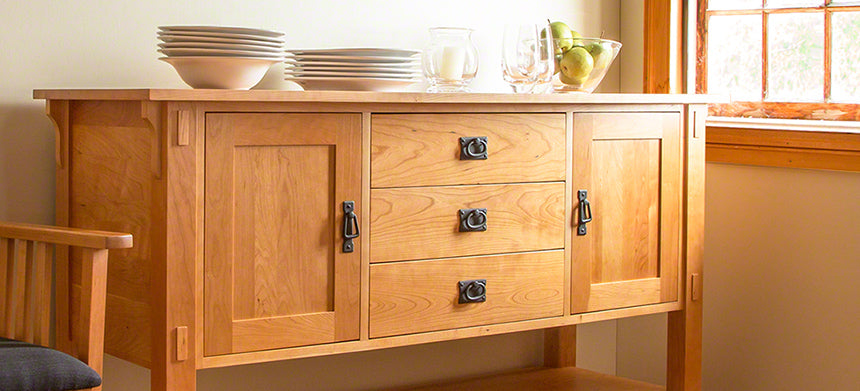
362, 96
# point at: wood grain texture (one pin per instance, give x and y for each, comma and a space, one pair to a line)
543, 379
520, 217
684, 358
424, 149
664, 49
274, 218
420, 296
782, 148
315, 97
625, 195
559, 347
26, 273
58, 112
625, 293
112, 189
432, 336
630, 165
178, 247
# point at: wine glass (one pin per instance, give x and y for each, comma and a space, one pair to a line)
520, 55
545, 60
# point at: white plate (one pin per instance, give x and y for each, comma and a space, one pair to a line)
223, 46
373, 52
349, 84
393, 71
339, 58
355, 60
220, 35
352, 75
170, 38
223, 29
348, 65
219, 53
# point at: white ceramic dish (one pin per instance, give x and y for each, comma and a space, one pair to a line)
392, 71
373, 52
234, 73
356, 59
223, 46
352, 74
223, 30
349, 84
221, 35
345, 65
170, 38
219, 53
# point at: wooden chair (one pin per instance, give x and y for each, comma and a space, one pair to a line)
26, 256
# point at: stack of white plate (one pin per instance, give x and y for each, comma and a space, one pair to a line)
220, 57
356, 69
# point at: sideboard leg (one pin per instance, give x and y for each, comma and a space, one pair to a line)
559, 347
684, 367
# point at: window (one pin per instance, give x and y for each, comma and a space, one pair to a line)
790, 59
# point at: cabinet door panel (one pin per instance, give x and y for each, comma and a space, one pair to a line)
275, 273
629, 163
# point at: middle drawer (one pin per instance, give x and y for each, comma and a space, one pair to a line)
425, 222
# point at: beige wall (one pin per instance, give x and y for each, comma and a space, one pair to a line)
782, 265
111, 44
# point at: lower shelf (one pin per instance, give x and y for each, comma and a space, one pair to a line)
543, 379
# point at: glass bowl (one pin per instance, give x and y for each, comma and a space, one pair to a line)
581, 63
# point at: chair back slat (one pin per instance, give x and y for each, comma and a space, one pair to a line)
25, 299
29, 309
26, 270
6, 247
16, 301
44, 271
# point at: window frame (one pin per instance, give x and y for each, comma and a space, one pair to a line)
824, 110
831, 142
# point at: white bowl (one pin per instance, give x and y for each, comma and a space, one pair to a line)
233, 73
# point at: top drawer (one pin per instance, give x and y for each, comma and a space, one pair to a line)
425, 149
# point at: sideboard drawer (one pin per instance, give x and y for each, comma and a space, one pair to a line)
427, 150
425, 222
420, 296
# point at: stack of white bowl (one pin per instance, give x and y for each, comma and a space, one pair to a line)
354, 69
220, 57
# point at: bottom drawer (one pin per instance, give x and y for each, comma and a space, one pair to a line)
420, 296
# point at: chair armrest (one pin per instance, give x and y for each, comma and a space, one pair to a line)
66, 236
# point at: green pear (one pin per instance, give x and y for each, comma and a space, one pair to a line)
601, 53
562, 33
577, 63
569, 81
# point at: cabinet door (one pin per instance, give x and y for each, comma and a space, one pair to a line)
630, 166
276, 274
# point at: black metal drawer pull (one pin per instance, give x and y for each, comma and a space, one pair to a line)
584, 212
473, 148
472, 291
350, 226
473, 220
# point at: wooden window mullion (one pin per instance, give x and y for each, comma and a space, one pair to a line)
764, 19
828, 14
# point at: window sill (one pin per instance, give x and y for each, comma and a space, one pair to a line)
827, 145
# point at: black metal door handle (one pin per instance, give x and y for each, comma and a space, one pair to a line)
350, 226
472, 291
473, 148
473, 220
584, 212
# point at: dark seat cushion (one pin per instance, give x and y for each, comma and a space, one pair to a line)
26, 367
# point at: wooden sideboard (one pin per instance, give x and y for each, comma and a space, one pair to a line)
272, 225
